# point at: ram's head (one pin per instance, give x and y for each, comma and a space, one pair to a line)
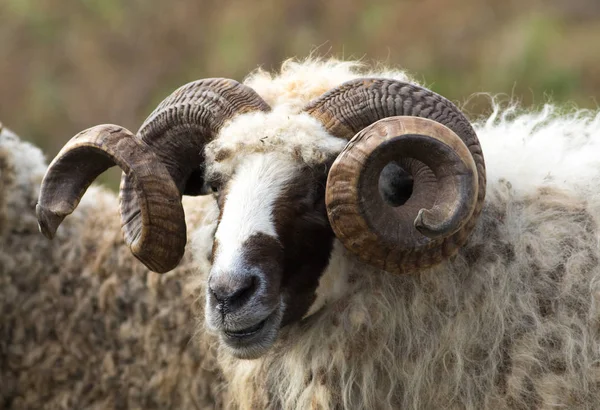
392, 170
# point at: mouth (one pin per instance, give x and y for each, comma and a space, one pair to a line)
247, 332
253, 341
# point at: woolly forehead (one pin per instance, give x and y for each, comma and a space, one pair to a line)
295, 135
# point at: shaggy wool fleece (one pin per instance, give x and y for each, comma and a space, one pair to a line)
83, 324
513, 321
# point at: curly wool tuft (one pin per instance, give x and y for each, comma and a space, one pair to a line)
299, 136
286, 129
300, 81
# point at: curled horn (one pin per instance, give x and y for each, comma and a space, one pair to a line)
162, 163
92, 152
385, 121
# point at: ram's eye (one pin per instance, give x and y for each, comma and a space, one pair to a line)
215, 185
212, 186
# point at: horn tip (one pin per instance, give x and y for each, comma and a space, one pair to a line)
157, 266
430, 226
48, 221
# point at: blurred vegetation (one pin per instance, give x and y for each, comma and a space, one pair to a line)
66, 65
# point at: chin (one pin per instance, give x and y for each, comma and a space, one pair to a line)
254, 341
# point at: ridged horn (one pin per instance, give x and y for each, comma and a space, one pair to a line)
161, 241
161, 163
388, 120
177, 131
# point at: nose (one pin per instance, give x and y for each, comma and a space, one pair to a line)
232, 291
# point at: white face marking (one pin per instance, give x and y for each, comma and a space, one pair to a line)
256, 185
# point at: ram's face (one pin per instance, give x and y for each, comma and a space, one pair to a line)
272, 243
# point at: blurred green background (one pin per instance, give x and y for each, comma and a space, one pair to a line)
66, 65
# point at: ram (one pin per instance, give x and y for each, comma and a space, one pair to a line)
350, 248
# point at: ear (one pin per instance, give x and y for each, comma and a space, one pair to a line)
395, 184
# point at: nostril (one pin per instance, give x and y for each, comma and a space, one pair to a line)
232, 291
244, 291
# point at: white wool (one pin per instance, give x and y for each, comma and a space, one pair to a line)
299, 82
248, 210
546, 147
286, 128
549, 147
297, 135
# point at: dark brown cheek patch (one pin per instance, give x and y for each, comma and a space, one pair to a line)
261, 248
303, 229
264, 253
